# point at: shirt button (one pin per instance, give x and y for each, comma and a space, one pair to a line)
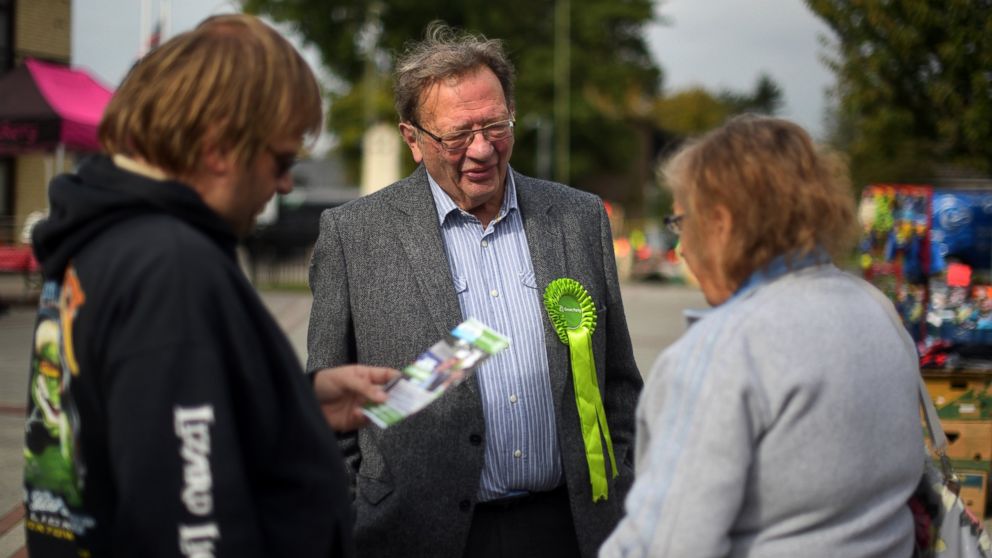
517, 453
513, 398
485, 243
494, 293
475, 439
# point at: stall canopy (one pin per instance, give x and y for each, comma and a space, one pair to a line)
47, 107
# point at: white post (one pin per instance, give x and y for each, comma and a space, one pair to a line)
59, 159
381, 151
49, 169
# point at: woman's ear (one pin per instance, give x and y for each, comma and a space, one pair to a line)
720, 225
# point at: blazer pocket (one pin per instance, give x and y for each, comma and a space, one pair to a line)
373, 490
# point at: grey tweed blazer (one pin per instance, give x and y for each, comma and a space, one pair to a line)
383, 293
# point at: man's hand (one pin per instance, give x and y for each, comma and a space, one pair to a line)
341, 392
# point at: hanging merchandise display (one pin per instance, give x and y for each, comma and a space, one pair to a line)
962, 228
930, 251
960, 305
895, 247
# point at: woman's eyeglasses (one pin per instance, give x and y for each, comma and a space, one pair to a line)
674, 223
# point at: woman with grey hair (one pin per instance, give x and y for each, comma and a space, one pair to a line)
785, 422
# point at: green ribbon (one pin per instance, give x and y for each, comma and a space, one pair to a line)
573, 315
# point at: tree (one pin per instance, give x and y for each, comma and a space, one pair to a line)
695, 111
914, 89
691, 112
610, 66
765, 99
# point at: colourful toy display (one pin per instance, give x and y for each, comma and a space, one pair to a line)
895, 247
962, 229
930, 251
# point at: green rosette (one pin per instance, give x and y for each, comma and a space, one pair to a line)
573, 315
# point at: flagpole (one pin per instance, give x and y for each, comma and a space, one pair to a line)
165, 19
144, 31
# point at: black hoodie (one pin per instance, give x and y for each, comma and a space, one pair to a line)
167, 412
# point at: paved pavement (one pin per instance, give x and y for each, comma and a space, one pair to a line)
653, 314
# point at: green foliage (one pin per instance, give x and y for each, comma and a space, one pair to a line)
914, 85
691, 112
695, 111
610, 65
349, 114
765, 99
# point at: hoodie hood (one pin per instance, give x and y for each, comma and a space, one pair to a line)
100, 195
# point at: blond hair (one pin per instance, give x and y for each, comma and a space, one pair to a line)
785, 197
232, 81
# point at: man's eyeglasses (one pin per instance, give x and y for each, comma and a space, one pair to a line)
674, 223
460, 140
284, 161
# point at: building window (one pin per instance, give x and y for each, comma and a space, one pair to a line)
6, 35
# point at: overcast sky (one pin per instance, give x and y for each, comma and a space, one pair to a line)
714, 43
729, 43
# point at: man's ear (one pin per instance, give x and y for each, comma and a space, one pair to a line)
410, 138
217, 161
216, 158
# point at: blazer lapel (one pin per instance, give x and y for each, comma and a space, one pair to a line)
547, 253
419, 235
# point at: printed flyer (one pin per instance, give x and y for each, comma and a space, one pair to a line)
442, 366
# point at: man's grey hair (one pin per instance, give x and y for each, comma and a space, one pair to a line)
443, 54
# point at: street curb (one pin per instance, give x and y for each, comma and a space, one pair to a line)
13, 410
11, 519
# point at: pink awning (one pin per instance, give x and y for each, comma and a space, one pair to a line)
76, 97
43, 105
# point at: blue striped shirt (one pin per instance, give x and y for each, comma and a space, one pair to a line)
494, 279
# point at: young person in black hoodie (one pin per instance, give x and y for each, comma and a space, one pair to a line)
168, 414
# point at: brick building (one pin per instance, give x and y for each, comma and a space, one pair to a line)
40, 29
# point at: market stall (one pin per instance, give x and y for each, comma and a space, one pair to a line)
930, 251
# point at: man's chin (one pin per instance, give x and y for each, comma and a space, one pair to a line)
243, 230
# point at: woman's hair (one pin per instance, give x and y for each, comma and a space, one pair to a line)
233, 81
783, 195
443, 54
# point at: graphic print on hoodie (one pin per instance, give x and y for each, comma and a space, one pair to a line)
53, 470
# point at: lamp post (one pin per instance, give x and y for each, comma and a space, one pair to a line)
562, 69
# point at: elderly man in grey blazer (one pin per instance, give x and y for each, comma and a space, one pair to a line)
498, 465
